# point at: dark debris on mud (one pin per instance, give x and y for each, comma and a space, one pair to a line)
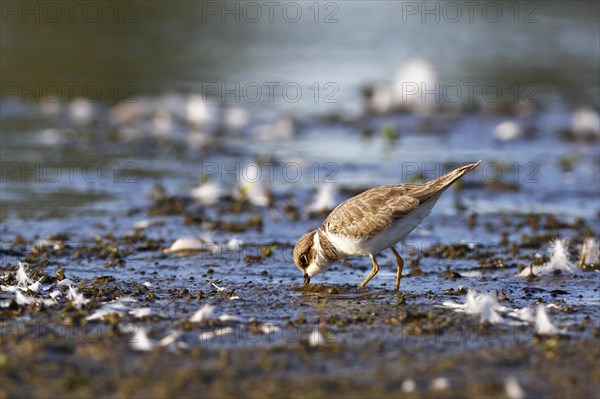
283, 338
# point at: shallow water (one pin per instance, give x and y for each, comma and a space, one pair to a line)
516, 179
74, 190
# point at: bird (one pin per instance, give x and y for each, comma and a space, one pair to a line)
371, 222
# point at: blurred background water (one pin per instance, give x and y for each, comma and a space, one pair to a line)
177, 46
162, 51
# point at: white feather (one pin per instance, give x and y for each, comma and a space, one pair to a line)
513, 389
141, 342
77, 299
316, 338
560, 260
217, 333
543, 323
206, 312
23, 279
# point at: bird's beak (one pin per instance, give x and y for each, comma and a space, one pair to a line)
306, 279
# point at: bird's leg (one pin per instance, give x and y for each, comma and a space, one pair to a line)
400, 262
373, 272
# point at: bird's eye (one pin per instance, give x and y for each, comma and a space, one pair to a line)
303, 260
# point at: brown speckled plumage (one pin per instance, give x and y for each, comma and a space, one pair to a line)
329, 250
371, 212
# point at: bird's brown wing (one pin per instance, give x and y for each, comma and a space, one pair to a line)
374, 210
371, 212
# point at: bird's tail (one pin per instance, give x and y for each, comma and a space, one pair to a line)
435, 187
454, 175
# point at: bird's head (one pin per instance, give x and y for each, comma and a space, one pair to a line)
306, 255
